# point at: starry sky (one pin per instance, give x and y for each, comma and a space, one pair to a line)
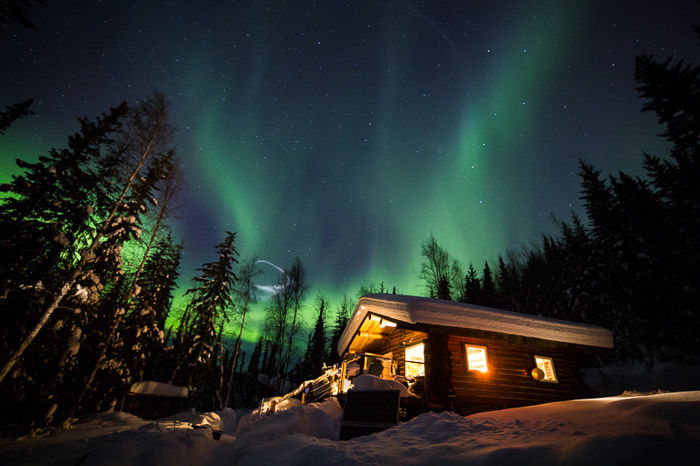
346, 132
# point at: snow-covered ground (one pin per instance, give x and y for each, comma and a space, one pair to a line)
659, 429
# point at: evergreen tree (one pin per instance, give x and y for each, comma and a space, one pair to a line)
268, 360
46, 220
211, 298
316, 348
507, 280
254, 362
342, 314
13, 113
672, 91
16, 11
488, 287
472, 286
146, 323
366, 288
50, 207
124, 223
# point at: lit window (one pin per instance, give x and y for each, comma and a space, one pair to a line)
415, 361
546, 365
476, 358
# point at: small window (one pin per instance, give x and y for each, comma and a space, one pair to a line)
415, 361
546, 365
476, 358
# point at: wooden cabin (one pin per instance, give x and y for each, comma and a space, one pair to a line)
468, 358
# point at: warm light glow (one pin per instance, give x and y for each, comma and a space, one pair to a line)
415, 361
546, 365
387, 323
375, 336
476, 359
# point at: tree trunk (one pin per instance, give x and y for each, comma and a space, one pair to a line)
220, 384
292, 334
234, 358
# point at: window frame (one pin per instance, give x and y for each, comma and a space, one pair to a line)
406, 361
554, 369
486, 358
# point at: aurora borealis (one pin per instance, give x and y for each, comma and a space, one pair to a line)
346, 132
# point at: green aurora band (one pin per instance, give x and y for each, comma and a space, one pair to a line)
465, 191
346, 135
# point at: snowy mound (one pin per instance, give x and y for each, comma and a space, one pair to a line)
210, 419
367, 382
657, 429
320, 420
661, 429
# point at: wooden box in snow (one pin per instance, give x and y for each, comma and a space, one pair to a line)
153, 400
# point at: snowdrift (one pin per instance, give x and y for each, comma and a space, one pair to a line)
368, 382
642, 429
654, 429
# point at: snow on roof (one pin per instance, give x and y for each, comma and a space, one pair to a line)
417, 310
159, 389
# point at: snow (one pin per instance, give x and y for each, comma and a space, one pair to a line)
368, 382
159, 389
414, 309
661, 428
256, 434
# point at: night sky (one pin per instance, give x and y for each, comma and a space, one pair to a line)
346, 132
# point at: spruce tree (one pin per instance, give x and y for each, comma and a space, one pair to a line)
48, 221
148, 135
13, 113
211, 299
342, 314
488, 287
17, 11
472, 286
144, 326
507, 290
316, 348
254, 362
672, 91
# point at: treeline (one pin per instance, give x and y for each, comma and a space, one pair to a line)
633, 264
89, 270
286, 353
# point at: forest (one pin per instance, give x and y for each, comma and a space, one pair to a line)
90, 268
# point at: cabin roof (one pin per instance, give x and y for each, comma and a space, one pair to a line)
417, 310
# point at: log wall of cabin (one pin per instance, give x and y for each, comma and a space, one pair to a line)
396, 344
508, 382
